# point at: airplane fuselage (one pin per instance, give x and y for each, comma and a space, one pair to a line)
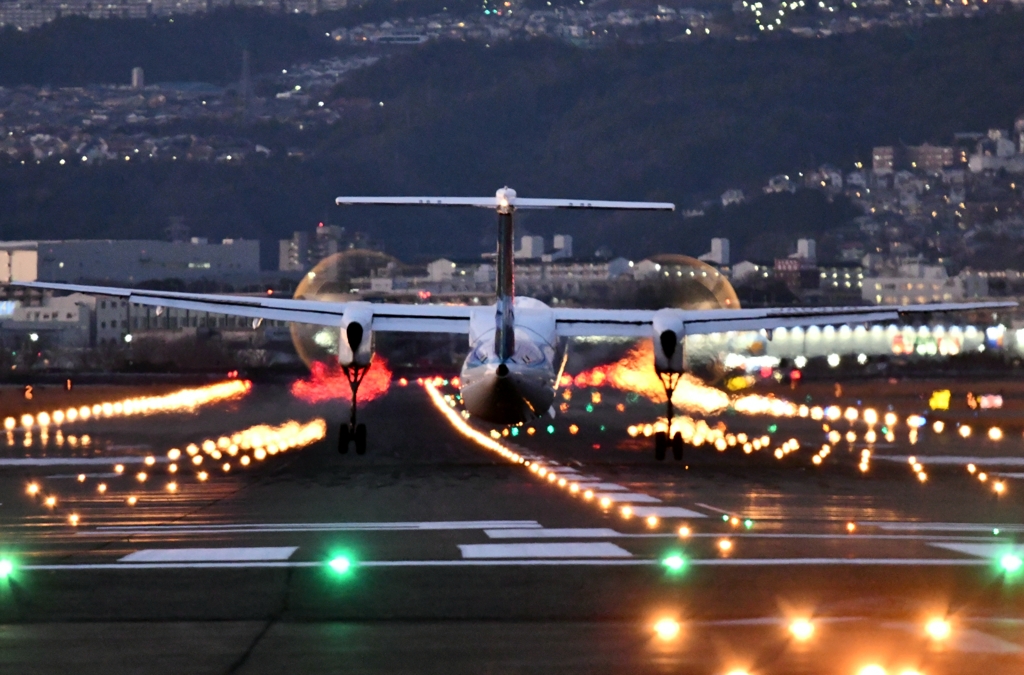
521, 386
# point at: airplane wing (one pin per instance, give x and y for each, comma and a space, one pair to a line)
638, 323
386, 317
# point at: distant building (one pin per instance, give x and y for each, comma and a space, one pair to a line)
138, 78
129, 261
929, 158
918, 283
883, 159
293, 254
719, 253
530, 247
733, 197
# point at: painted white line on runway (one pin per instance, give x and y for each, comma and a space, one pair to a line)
666, 512
711, 508
1016, 476
106, 531
930, 460
605, 487
602, 549
554, 533
187, 555
942, 527
483, 562
631, 497
990, 551
966, 640
75, 461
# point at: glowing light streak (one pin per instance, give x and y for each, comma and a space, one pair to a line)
184, 400
328, 382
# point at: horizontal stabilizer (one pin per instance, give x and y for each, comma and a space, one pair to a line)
506, 198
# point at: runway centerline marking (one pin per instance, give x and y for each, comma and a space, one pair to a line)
602, 549
194, 555
629, 497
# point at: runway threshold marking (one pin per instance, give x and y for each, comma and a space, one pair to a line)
603, 549
242, 554
531, 562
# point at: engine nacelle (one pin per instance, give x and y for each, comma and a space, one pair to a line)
669, 334
355, 342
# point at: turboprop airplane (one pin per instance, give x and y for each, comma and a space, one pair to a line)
511, 373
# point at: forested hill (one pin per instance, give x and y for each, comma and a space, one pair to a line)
679, 122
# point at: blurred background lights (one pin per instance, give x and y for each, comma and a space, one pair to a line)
1011, 562
938, 629
873, 669
801, 629
674, 562
6, 567
666, 629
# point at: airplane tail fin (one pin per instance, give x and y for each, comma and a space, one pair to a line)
505, 201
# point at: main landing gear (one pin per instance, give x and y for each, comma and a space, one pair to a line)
350, 432
662, 442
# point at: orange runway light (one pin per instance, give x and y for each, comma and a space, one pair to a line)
724, 545
801, 630
666, 629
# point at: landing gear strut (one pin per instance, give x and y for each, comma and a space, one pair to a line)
662, 440
351, 432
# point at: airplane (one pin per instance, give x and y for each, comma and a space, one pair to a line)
511, 373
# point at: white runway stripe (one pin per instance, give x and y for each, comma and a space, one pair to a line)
192, 555
156, 530
602, 549
585, 562
666, 512
629, 497
987, 550
942, 527
930, 460
75, 461
553, 533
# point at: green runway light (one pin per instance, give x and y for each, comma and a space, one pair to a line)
1011, 563
590, 407
725, 517
772, 428
341, 564
515, 431
6, 567
748, 523
674, 562
551, 428
995, 531
602, 428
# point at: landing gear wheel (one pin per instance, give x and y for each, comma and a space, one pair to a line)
660, 445
344, 436
360, 439
677, 446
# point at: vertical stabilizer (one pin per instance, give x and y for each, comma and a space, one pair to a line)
505, 291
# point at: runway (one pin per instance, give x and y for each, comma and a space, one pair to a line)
445, 549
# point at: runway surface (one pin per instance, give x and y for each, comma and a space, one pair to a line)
567, 548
